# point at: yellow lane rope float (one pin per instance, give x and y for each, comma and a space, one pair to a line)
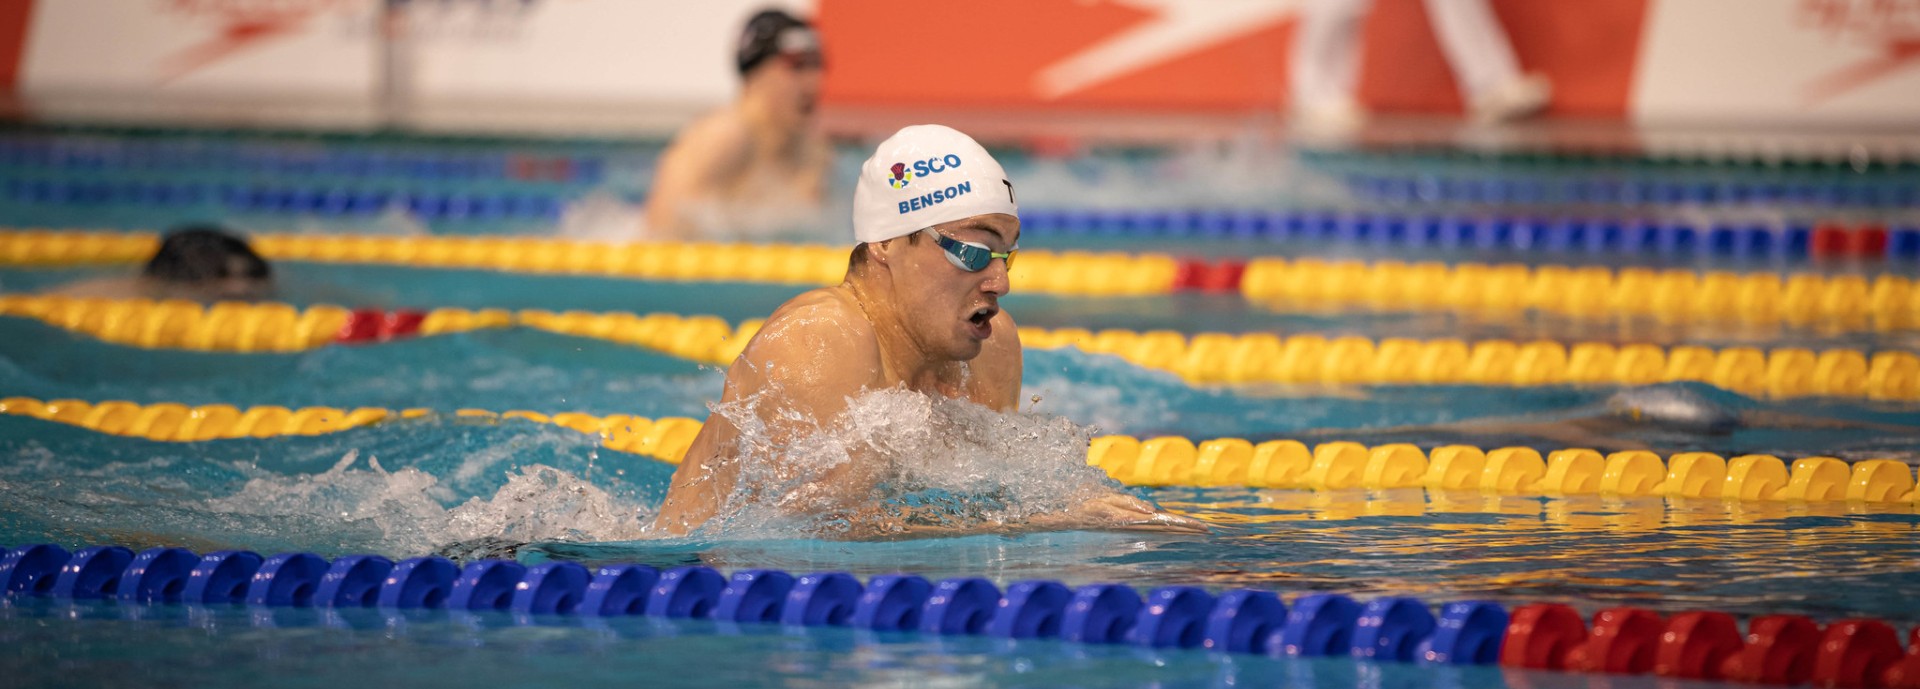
665, 439
1852, 302
1205, 358
1041, 272
1885, 302
1160, 461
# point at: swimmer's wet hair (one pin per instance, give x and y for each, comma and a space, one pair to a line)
200, 253
760, 39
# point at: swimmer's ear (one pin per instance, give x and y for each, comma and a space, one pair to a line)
879, 251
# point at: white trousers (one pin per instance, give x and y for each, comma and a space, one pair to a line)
1325, 64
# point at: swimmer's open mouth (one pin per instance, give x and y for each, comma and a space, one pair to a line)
983, 315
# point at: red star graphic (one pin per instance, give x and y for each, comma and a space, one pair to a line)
241, 27
1895, 55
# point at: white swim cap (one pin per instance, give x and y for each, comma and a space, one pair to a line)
925, 175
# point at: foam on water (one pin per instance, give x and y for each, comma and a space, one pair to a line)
408, 507
925, 463
412, 487
1244, 171
400, 489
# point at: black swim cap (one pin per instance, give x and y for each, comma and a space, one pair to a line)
773, 32
200, 253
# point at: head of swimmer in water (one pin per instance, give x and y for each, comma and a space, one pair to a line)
946, 308
207, 262
780, 64
938, 229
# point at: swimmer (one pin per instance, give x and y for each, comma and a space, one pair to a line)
195, 262
919, 309
758, 164
1666, 414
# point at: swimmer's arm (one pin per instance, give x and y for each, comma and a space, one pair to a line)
697, 162
1001, 366
806, 364
102, 288
1114, 512
819, 161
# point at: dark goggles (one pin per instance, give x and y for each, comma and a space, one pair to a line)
806, 60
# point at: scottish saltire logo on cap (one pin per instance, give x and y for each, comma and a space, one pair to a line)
901, 176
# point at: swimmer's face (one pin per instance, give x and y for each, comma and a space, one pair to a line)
239, 279
244, 289
219, 289
794, 79
951, 311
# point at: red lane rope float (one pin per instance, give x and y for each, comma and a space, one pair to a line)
1837, 239
373, 325
1777, 649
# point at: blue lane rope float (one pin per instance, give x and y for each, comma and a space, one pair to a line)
1753, 155
261, 158
343, 199
1793, 240
1550, 636
1242, 621
1778, 649
352, 582
1884, 192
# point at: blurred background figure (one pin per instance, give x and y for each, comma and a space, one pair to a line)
757, 166
1325, 65
194, 262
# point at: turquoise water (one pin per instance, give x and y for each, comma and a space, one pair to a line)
439, 478
436, 479
463, 486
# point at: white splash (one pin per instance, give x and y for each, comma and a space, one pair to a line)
407, 507
926, 462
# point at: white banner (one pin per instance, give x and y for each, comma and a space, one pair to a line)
557, 65
1780, 61
312, 61
598, 64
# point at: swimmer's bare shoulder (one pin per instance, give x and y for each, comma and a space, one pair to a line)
700, 158
104, 288
819, 339
721, 128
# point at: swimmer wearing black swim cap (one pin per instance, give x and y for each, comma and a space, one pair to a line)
756, 166
773, 33
194, 262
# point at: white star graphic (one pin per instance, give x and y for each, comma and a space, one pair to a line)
1179, 27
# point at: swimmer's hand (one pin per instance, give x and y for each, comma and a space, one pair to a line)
1117, 512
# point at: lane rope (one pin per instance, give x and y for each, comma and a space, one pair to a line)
1204, 358
1037, 271
1884, 302
1159, 461
1778, 649
1851, 302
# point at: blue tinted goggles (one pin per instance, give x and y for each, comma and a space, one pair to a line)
972, 257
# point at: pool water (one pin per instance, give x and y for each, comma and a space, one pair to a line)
461, 486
